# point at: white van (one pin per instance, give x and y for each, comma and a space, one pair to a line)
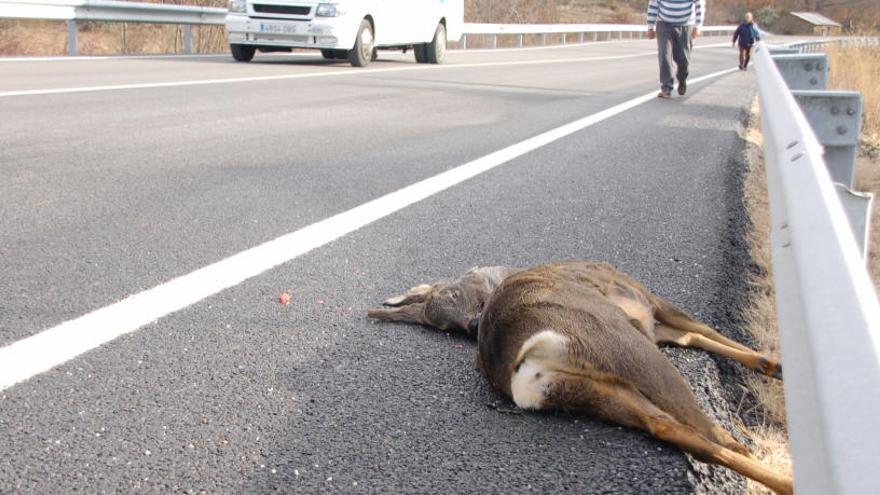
344, 29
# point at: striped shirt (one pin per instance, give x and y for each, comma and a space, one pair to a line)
690, 12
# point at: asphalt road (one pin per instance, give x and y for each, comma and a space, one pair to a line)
121, 188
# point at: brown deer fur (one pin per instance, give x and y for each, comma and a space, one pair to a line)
582, 337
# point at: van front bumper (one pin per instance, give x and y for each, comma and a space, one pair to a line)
332, 32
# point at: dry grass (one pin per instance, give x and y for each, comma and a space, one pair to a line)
44, 38
868, 180
858, 68
768, 434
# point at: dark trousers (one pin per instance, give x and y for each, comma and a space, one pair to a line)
745, 54
673, 44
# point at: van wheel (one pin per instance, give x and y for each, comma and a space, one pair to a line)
436, 49
421, 51
362, 53
242, 53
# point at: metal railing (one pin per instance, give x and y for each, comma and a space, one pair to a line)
580, 33
819, 45
188, 16
827, 308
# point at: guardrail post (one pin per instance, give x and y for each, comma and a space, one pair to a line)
836, 118
494, 41
580, 37
857, 207
595, 36
71, 38
543, 39
464, 42
563, 38
521, 40
803, 71
188, 39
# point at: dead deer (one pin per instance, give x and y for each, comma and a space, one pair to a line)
581, 337
457, 305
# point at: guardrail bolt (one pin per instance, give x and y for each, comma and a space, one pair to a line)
835, 110
850, 111
841, 130
808, 66
819, 66
814, 81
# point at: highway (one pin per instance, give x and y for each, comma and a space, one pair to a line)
123, 175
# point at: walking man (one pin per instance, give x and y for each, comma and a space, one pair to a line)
675, 24
747, 34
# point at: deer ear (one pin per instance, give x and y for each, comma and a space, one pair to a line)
411, 313
415, 295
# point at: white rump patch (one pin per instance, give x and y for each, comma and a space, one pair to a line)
539, 358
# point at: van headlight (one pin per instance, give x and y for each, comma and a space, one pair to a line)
238, 6
329, 10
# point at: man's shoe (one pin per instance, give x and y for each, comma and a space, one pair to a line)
664, 93
682, 88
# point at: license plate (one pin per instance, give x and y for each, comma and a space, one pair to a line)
279, 28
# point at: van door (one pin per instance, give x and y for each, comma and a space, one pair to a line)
415, 20
389, 20
425, 19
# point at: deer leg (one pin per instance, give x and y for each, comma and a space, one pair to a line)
666, 334
416, 294
672, 315
618, 401
410, 313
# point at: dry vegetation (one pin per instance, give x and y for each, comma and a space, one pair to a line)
858, 68
767, 430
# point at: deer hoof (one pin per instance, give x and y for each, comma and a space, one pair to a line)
771, 368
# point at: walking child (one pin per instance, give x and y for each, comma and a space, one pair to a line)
746, 35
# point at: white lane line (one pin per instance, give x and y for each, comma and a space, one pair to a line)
41, 352
335, 73
79, 58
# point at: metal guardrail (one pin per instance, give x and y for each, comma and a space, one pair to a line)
827, 308
116, 11
818, 45
579, 31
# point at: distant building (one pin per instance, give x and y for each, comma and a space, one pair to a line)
806, 23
